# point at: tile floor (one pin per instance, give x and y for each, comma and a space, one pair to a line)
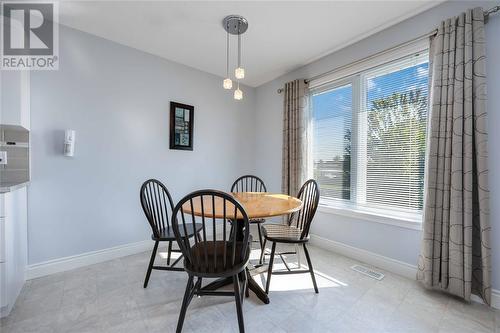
108, 297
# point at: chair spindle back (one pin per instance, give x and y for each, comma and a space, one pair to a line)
217, 248
157, 205
309, 195
248, 183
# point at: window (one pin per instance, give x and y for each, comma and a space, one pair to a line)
369, 134
332, 111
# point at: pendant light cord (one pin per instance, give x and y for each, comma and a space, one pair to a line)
239, 45
227, 52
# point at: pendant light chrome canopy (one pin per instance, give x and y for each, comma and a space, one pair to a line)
234, 25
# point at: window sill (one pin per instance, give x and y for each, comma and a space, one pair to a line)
408, 221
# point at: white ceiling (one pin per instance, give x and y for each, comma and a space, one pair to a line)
282, 35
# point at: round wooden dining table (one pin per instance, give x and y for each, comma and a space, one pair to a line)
257, 205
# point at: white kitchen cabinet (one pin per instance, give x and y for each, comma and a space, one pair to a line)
15, 96
13, 247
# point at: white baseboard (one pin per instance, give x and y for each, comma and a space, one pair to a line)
386, 263
6, 309
377, 260
84, 259
495, 298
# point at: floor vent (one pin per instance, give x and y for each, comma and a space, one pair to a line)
367, 271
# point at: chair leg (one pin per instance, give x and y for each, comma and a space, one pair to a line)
151, 262
185, 303
262, 252
297, 253
243, 286
260, 235
270, 269
309, 264
239, 308
198, 283
247, 277
169, 252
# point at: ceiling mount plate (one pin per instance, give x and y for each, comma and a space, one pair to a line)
235, 24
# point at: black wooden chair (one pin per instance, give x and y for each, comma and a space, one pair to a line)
157, 204
219, 252
249, 183
296, 231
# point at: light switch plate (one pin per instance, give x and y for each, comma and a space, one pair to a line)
3, 157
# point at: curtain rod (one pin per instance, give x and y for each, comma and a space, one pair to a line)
490, 11
432, 33
367, 58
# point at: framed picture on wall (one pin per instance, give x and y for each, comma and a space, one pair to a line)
181, 126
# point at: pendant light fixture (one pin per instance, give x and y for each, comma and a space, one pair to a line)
234, 25
227, 84
239, 72
238, 94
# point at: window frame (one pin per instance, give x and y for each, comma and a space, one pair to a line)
354, 74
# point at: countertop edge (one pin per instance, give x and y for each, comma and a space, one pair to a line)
5, 188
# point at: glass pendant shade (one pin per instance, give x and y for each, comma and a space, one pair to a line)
238, 94
227, 83
239, 73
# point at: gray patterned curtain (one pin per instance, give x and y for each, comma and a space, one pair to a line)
295, 119
455, 255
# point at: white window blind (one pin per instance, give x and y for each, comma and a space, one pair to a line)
370, 133
332, 140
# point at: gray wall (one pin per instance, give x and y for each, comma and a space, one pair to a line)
117, 99
391, 241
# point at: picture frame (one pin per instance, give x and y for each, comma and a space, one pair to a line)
181, 126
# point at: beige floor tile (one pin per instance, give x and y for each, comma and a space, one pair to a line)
497, 321
109, 297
